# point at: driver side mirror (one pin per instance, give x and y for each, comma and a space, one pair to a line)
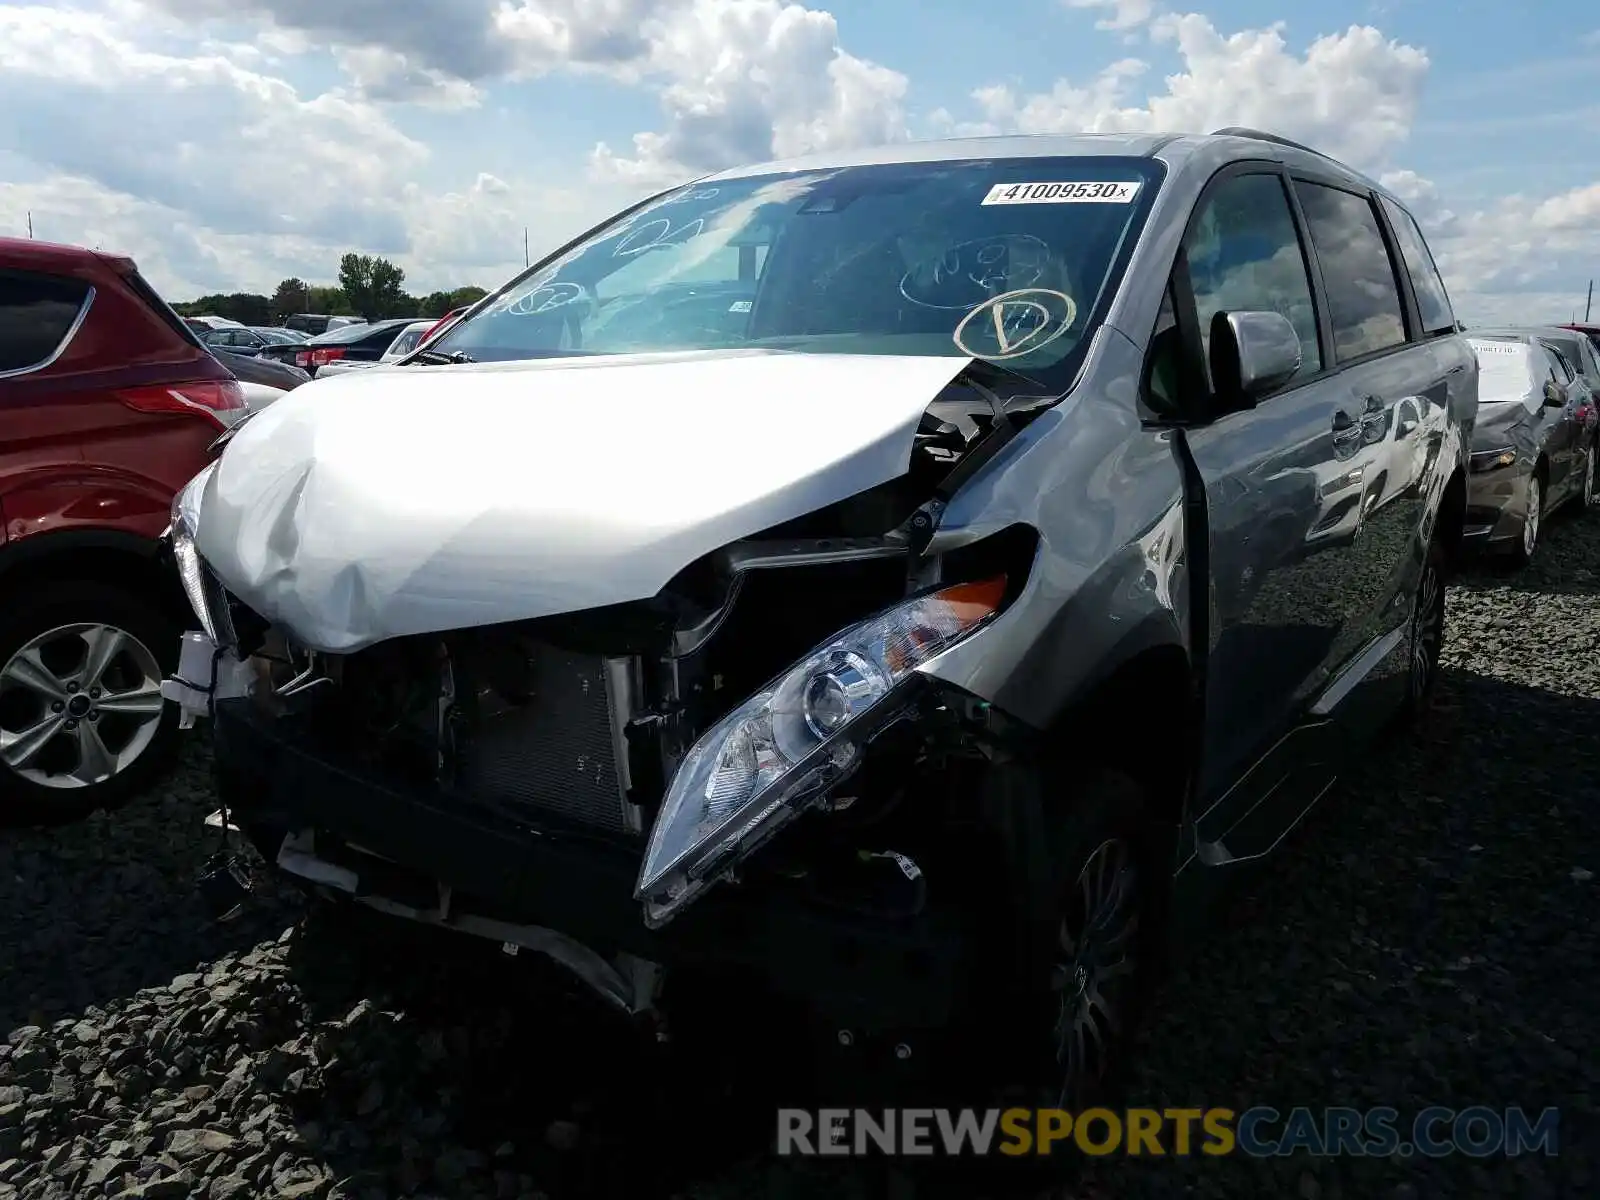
1253, 354
1555, 396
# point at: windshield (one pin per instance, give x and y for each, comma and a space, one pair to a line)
1009, 259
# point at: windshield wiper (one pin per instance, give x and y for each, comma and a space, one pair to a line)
440, 358
982, 369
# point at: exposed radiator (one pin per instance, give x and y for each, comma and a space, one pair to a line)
558, 753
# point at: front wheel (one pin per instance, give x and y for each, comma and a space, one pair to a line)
1591, 463
1532, 519
1090, 957
1425, 632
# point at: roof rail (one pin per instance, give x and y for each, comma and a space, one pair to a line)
1262, 136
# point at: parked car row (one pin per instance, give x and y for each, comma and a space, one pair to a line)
347, 346
1534, 445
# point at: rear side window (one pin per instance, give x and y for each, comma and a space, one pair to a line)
1363, 296
37, 312
1433, 303
1564, 371
152, 300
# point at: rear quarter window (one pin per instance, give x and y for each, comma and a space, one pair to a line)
1433, 302
37, 312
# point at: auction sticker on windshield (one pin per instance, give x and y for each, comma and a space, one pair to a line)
1062, 193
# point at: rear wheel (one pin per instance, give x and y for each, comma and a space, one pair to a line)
1591, 463
83, 724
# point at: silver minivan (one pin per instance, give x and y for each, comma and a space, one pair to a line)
899, 582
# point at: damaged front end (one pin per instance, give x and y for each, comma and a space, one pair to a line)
576, 784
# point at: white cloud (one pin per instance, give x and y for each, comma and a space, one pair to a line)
114, 106
1354, 95
306, 175
1120, 14
756, 79
1246, 78
146, 124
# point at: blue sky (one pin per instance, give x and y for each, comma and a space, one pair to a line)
229, 143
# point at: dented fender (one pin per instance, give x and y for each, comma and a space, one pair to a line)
1109, 579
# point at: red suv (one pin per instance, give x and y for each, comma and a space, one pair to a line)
1592, 331
108, 405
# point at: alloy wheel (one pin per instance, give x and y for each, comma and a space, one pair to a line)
1588, 476
1098, 946
1427, 629
1530, 523
79, 704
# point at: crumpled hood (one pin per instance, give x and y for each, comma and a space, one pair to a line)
1500, 420
378, 504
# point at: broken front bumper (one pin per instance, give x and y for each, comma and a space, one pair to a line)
866, 971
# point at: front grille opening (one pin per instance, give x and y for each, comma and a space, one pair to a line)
494, 715
549, 745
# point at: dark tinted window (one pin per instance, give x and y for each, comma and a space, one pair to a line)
36, 311
1564, 370
1433, 304
1363, 297
1590, 360
1245, 256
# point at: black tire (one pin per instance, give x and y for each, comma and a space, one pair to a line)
1052, 824
1527, 544
1589, 492
25, 800
1103, 823
1425, 633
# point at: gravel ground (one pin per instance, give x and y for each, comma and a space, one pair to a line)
1428, 937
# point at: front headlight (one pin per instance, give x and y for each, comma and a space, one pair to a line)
779, 752
185, 518
1493, 460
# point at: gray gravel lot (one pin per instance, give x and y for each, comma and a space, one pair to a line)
1429, 937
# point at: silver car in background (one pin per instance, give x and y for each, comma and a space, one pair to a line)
1533, 449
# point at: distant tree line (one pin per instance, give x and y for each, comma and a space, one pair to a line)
368, 287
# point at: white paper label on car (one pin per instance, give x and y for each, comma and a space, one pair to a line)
741, 306
1486, 347
1062, 193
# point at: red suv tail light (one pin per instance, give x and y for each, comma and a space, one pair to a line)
220, 401
319, 357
